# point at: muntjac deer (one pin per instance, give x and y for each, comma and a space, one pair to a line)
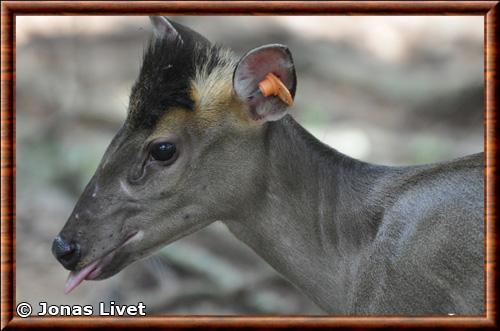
201, 143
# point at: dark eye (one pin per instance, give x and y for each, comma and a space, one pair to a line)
162, 151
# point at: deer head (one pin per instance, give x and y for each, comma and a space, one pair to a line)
190, 152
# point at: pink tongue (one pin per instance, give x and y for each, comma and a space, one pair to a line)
76, 277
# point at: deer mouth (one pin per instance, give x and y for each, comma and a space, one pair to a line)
94, 269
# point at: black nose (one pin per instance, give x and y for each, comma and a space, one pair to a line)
66, 253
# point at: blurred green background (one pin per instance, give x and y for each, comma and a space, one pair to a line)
390, 90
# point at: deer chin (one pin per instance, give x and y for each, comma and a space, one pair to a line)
98, 268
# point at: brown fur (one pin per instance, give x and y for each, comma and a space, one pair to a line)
215, 104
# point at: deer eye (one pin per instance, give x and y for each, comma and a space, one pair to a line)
162, 151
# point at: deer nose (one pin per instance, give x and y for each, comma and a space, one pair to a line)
68, 254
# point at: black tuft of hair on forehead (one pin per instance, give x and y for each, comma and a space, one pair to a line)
167, 70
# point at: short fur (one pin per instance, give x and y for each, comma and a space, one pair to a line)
168, 69
357, 238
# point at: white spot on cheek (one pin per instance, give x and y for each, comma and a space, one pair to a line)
96, 188
77, 216
124, 188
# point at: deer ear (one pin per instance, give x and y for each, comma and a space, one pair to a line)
252, 69
163, 29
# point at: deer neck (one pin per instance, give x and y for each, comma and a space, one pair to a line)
316, 216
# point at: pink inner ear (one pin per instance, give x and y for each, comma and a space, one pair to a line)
256, 66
